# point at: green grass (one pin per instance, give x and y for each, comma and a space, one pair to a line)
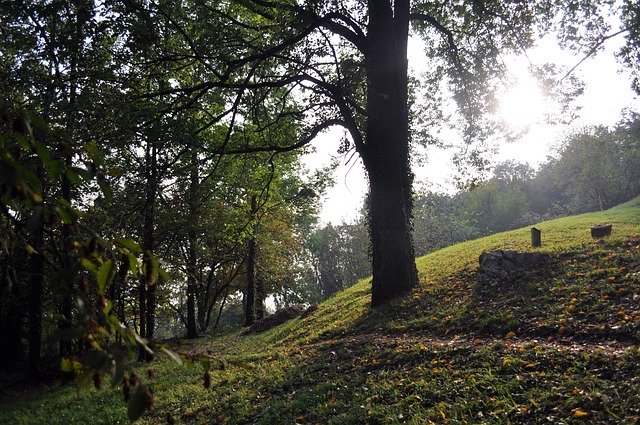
558, 345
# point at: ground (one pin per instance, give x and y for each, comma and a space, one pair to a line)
557, 345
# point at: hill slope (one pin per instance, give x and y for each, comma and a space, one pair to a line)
556, 345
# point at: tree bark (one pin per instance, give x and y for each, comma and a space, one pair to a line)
260, 296
35, 303
192, 331
386, 151
66, 265
250, 295
146, 296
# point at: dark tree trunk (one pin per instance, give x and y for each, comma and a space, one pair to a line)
66, 265
12, 308
149, 238
250, 295
386, 152
35, 304
67, 272
192, 331
146, 296
260, 296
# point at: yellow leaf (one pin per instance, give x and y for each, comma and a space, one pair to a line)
579, 413
511, 335
506, 361
442, 415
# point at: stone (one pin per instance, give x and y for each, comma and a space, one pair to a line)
600, 231
503, 266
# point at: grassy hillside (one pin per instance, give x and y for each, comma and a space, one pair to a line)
558, 345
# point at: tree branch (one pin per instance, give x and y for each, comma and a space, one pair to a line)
593, 50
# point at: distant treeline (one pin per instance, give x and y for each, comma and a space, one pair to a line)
593, 169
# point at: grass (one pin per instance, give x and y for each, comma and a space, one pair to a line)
557, 345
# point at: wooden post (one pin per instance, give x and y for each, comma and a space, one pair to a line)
536, 237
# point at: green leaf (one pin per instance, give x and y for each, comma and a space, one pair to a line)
70, 365
113, 322
137, 402
164, 275
129, 244
105, 187
89, 265
53, 167
143, 342
66, 212
77, 175
108, 305
174, 356
93, 152
133, 264
105, 275
151, 268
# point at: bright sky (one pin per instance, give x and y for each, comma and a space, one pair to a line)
522, 107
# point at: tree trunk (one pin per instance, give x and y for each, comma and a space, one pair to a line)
146, 296
250, 295
260, 296
66, 265
35, 304
12, 309
386, 152
192, 259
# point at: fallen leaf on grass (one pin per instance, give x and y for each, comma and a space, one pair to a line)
579, 413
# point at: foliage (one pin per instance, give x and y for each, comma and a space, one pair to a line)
339, 256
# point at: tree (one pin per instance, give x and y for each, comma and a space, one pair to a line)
348, 63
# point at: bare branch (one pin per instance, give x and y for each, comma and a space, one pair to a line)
593, 50
302, 142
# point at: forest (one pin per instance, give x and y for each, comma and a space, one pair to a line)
155, 197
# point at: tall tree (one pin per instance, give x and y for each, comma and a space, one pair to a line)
347, 65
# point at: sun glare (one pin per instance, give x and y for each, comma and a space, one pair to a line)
522, 106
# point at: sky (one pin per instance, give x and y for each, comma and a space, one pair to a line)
522, 107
